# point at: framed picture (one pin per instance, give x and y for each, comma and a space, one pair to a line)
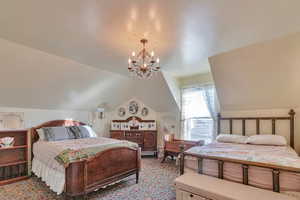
125, 126
145, 111
133, 107
121, 112
115, 126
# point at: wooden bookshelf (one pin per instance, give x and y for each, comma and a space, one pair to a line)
14, 162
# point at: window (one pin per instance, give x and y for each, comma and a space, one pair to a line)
198, 111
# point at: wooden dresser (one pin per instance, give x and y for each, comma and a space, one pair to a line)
14, 161
146, 139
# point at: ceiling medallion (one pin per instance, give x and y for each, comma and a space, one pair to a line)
143, 64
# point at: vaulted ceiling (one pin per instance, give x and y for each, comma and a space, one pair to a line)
84, 45
102, 33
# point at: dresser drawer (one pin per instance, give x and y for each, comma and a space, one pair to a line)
134, 134
183, 195
117, 135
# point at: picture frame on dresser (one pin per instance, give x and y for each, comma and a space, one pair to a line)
15, 159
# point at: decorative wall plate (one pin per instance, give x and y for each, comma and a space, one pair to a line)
133, 107
145, 111
121, 112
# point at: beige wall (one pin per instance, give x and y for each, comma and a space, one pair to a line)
34, 117
30, 78
261, 76
174, 87
260, 80
164, 120
195, 79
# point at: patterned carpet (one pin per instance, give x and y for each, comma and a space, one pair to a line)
156, 183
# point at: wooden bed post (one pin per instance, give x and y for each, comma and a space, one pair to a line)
292, 128
137, 173
245, 174
220, 169
181, 156
200, 165
276, 180
219, 124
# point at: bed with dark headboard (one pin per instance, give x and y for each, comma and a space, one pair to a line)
54, 123
107, 167
243, 167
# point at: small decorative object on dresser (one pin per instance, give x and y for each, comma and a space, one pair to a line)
172, 147
14, 154
142, 132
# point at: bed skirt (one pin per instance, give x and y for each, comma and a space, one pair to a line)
53, 178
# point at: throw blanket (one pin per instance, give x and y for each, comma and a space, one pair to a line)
68, 156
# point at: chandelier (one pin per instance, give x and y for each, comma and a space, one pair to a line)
143, 64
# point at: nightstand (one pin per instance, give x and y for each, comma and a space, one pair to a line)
172, 148
14, 162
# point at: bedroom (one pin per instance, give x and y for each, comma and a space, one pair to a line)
66, 64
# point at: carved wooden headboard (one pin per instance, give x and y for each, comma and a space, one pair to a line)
35, 136
133, 117
291, 118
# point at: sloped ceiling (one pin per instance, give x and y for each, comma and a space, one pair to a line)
72, 54
34, 79
261, 76
102, 33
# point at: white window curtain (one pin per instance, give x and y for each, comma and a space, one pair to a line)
199, 113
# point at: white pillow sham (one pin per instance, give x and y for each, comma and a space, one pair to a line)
227, 138
41, 134
91, 131
274, 140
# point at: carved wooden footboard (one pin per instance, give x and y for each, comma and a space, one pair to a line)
105, 168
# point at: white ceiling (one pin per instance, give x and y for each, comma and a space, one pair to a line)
102, 33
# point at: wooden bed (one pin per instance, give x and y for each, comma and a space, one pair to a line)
101, 170
246, 164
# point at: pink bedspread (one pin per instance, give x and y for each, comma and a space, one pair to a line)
260, 177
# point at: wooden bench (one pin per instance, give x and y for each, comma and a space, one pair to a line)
193, 186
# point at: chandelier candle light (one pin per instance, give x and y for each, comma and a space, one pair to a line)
143, 64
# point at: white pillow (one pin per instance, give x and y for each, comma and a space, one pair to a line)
41, 134
91, 131
227, 138
275, 140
